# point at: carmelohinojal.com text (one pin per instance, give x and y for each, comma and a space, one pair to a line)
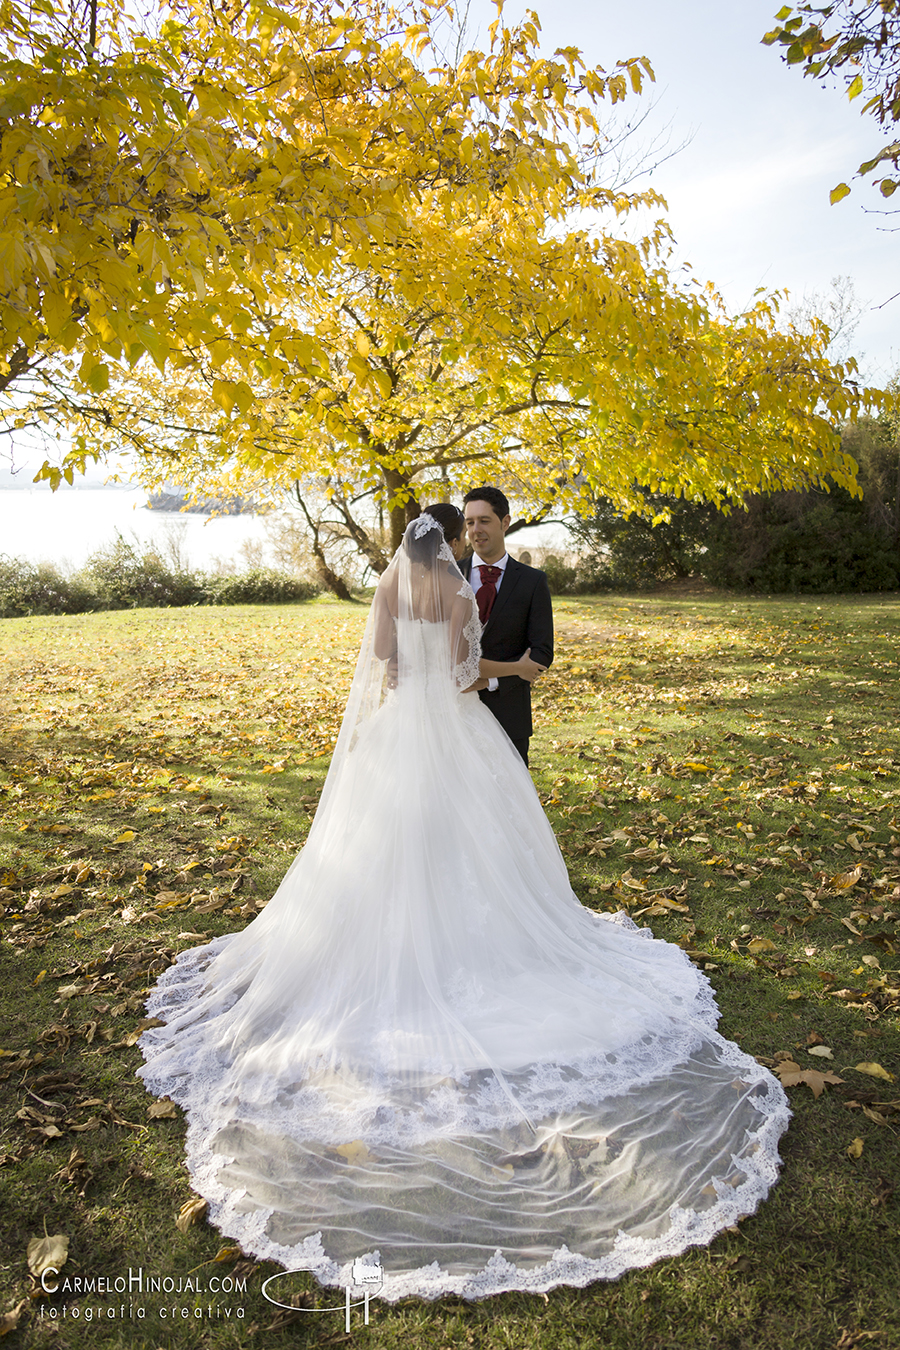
146, 1295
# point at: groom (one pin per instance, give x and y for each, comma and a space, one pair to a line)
514, 604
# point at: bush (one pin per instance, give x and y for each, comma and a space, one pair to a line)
118, 577
40, 588
259, 586
121, 578
812, 542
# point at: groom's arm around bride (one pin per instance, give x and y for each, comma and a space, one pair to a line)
515, 607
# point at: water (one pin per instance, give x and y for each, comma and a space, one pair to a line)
64, 527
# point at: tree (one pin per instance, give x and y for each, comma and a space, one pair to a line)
483, 335
859, 41
154, 177
564, 366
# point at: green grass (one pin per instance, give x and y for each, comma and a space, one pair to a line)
727, 770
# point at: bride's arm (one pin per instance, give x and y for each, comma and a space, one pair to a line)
385, 635
525, 668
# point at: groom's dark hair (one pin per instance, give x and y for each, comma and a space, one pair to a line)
492, 495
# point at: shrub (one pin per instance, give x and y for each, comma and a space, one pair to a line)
40, 588
118, 577
813, 542
122, 578
258, 586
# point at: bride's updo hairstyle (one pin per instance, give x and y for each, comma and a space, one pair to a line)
421, 548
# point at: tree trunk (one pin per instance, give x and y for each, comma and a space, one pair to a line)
328, 578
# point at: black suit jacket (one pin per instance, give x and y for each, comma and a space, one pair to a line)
522, 617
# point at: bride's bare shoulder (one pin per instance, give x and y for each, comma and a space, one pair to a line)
386, 590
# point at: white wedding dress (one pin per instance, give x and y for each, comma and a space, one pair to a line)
425, 1048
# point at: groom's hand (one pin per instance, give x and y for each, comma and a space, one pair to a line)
529, 670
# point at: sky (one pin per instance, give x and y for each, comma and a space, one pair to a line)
748, 193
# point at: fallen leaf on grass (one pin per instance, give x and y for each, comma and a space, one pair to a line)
874, 1071
844, 881
884, 1189
46, 1253
228, 1254
134, 1036
191, 1212
761, 945
125, 837
353, 1153
855, 1149
823, 1051
9, 1321
791, 1074
165, 1109
67, 991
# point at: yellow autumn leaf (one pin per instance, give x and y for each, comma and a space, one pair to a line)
191, 1212
844, 881
228, 1254
822, 1051
761, 945
353, 1153
125, 837
874, 1071
10, 1320
855, 1149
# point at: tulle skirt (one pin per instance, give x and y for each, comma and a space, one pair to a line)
425, 1051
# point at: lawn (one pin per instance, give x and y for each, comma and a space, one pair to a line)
725, 769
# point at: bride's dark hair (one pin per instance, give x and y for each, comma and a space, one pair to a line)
451, 521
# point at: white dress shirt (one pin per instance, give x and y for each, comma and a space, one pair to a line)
475, 583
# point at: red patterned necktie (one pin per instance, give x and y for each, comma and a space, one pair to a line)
487, 591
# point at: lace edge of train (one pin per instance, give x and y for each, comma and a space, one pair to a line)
499, 1275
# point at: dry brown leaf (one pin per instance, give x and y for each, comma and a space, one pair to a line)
761, 945
92, 1123
9, 1321
164, 1109
47, 1252
191, 1212
791, 1074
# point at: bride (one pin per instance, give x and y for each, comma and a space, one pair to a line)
425, 1049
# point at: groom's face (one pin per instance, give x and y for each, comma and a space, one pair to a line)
485, 531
